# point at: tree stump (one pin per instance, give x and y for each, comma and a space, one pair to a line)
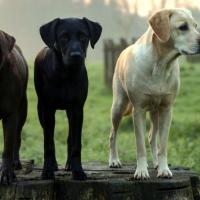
103, 184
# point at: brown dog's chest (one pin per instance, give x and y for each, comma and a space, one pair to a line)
9, 100
11, 92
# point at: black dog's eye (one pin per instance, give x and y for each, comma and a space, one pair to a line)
64, 37
83, 38
183, 27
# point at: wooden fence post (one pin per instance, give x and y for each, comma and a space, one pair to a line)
111, 53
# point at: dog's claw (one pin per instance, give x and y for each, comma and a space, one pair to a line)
141, 174
7, 177
164, 173
115, 164
79, 175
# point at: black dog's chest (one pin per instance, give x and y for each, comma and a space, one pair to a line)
62, 92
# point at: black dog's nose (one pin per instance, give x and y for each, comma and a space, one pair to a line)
75, 54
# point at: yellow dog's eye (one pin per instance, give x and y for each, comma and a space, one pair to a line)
183, 27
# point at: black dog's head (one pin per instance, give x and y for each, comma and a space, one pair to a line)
70, 37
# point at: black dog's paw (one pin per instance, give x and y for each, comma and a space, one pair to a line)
48, 174
17, 165
55, 166
68, 166
7, 176
79, 175
50, 165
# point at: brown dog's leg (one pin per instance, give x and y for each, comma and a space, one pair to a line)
22, 118
9, 129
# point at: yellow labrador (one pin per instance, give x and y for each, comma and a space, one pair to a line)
147, 78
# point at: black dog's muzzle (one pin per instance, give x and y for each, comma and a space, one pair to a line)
74, 57
75, 54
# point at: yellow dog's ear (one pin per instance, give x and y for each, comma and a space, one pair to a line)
159, 22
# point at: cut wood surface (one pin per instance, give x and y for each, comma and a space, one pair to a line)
103, 183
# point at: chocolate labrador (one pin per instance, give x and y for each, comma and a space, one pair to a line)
61, 83
13, 103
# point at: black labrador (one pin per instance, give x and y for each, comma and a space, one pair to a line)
13, 103
61, 83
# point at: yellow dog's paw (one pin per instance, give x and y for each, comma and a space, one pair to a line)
164, 173
141, 174
115, 163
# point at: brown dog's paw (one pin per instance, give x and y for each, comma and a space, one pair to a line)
79, 175
48, 174
7, 177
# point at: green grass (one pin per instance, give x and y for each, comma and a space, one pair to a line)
184, 140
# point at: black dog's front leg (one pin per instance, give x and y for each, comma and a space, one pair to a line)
9, 130
69, 150
75, 118
47, 117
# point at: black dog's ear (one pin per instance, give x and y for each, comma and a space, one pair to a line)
7, 42
95, 30
48, 33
